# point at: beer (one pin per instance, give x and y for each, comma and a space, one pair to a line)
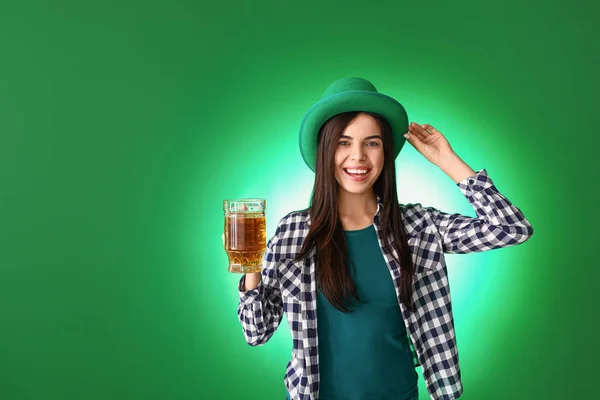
245, 234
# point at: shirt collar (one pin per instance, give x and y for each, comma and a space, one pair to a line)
376, 216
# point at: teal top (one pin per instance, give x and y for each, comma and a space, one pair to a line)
365, 354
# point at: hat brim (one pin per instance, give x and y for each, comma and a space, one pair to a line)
357, 100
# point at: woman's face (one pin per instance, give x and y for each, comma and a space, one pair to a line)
359, 155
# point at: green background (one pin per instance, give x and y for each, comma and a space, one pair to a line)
124, 124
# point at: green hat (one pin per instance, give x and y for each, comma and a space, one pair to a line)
350, 94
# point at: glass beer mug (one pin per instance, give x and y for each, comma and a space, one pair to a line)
245, 234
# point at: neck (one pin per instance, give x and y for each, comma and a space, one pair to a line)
357, 205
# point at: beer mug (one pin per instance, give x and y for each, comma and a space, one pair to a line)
245, 234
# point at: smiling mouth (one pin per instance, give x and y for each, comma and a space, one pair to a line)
357, 174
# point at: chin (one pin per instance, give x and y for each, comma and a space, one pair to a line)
355, 189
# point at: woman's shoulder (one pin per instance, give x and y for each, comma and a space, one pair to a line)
295, 222
416, 216
412, 209
297, 215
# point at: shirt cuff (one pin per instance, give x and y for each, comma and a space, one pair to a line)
475, 187
477, 182
252, 295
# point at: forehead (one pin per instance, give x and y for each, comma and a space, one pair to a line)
362, 126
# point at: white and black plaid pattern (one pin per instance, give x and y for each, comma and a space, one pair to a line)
290, 287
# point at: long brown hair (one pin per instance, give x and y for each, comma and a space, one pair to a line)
326, 231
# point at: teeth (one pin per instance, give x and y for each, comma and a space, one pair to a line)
357, 171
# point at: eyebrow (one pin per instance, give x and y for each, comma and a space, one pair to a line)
367, 138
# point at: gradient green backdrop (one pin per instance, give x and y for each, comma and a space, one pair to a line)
124, 124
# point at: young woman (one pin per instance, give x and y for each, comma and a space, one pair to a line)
362, 278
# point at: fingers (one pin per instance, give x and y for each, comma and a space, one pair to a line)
414, 140
417, 130
424, 131
431, 129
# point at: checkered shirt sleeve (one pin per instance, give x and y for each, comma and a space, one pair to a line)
260, 310
498, 222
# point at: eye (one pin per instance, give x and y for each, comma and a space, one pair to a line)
373, 143
343, 143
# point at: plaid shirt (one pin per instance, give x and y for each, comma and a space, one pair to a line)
290, 286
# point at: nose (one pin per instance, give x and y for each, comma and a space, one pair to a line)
358, 152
